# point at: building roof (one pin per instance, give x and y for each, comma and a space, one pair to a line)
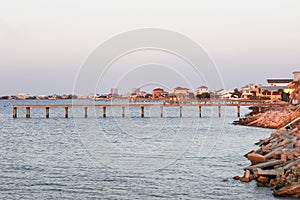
181, 88
220, 90
158, 89
279, 80
203, 87
274, 87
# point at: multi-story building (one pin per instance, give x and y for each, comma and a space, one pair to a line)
201, 90
158, 93
179, 94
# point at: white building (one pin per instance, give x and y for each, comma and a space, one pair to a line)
22, 96
135, 90
179, 94
296, 75
180, 91
201, 90
223, 94
114, 91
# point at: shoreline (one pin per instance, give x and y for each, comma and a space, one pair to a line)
269, 117
276, 163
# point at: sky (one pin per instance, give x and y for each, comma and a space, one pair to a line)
44, 44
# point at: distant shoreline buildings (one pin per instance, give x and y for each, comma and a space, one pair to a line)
280, 89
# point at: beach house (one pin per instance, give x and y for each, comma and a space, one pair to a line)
179, 94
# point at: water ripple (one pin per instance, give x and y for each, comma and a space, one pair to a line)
45, 158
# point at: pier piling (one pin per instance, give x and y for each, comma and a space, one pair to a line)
47, 112
123, 111
200, 111
66, 112
142, 111
104, 111
180, 111
238, 110
219, 111
27, 112
15, 112
85, 112
161, 111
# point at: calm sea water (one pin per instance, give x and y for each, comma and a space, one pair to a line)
125, 158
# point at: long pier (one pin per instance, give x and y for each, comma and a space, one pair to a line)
219, 104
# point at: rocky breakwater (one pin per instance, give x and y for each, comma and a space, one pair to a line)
276, 163
269, 117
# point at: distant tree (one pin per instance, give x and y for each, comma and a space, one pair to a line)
148, 96
191, 95
284, 96
204, 95
4, 97
236, 93
32, 97
102, 96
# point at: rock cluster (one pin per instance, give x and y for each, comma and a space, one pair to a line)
271, 117
276, 163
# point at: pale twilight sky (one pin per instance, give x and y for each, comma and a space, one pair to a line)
44, 43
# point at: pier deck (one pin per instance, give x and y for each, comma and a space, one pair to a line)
142, 106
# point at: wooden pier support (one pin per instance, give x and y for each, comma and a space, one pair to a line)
66, 112
47, 112
85, 112
161, 111
123, 111
142, 111
27, 112
219, 111
104, 111
259, 109
238, 110
15, 112
200, 111
180, 111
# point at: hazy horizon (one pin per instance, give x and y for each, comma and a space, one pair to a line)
44, 43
